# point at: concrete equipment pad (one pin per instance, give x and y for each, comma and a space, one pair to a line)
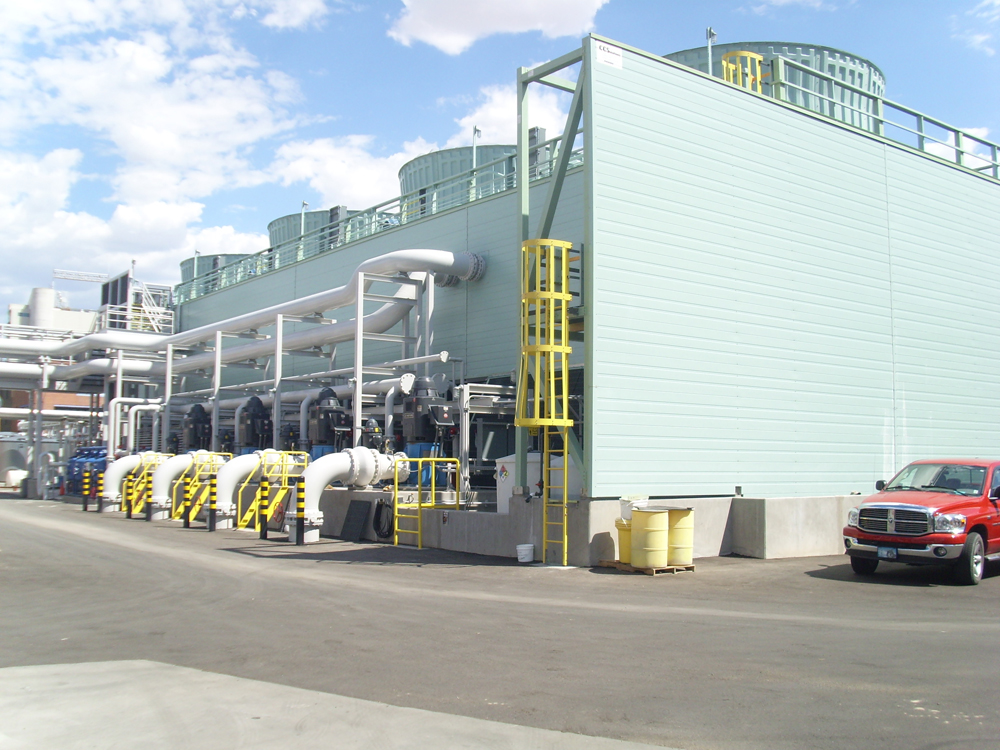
149, 705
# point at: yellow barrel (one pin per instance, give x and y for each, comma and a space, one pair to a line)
681, 537
650, 535
624, 527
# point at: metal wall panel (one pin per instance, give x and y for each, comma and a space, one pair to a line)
744, 277
478, 322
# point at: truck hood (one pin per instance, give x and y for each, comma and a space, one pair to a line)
945, 502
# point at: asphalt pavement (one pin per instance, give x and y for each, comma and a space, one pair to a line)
122, 633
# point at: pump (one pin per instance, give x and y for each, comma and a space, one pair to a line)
426, 414
255, 429
197, 429
329, 424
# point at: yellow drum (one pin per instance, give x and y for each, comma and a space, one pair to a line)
624, 527
681, 536
650, 537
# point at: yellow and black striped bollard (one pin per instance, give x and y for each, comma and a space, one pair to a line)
263, 504
100, 483
186, 508
127, 495
85, 489
212, 493
300, 511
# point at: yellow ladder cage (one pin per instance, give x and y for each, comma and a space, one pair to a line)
543, 376
744, 69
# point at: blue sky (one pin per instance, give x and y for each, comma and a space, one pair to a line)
138, 130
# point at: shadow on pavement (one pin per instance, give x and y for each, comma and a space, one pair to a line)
897, 574
335, 551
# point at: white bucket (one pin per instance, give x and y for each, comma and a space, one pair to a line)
526, 553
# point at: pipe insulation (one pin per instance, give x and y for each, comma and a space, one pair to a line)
466, 266
114, 475
358, 467
165, 475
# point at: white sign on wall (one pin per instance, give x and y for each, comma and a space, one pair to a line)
609, 55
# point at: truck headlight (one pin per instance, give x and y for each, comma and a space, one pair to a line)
852, 517
949, 523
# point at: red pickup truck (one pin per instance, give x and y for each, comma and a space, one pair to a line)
930, 513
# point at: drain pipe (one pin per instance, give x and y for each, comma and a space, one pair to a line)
152, 405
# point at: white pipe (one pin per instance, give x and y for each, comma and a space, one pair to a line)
359, 467
153, 405
165, 475
113, 421
307, 401
236, 421
390, 412
12, 412
467, 266
115, 473
229, 478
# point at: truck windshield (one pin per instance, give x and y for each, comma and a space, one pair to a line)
955, 478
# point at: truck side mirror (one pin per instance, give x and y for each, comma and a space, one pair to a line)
880, 485
995, 493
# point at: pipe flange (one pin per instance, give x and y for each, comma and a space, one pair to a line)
477, 267
445, 280
354, 466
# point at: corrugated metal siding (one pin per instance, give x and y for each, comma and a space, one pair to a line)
741, 331
477, 322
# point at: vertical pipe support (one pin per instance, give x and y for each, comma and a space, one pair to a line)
359, 354
168, 393
279, 325
216, 385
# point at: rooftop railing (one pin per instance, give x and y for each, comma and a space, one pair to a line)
486, 180
796, 83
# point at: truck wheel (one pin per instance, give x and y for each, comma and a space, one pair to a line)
863, 566
969, 570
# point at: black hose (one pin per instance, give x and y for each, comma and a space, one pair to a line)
382, 522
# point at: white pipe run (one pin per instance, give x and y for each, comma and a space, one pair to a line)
133, 411
165, 475
114, 426
358, 467
115, 473
52, 415
467, 266
230, 477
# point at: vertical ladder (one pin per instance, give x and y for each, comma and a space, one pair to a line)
543, 379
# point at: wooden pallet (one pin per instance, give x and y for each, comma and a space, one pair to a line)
626, 568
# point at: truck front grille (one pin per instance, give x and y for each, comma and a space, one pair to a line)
900, 521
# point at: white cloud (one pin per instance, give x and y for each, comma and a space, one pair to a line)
455, 25
42, 233
496, 115
976, 28
344, 170
948, 151
766, 5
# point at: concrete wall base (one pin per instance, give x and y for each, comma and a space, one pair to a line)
754, 527
311, 535
161, 514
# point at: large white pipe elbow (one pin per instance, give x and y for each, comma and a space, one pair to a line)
358, 467
165, 475
115, 473
232, 474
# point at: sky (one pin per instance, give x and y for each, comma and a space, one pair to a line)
143, 131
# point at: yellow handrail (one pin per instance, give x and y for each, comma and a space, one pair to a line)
419, 506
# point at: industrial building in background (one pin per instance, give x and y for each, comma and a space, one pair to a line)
741, 281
